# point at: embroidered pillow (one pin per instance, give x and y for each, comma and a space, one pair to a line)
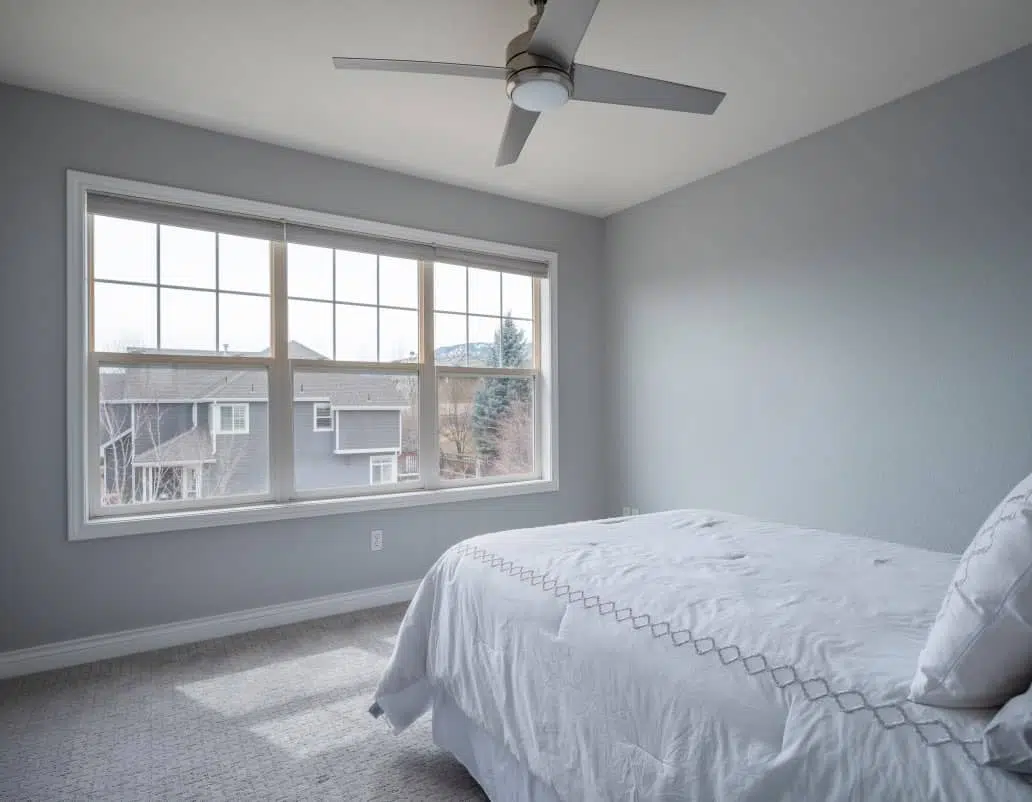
1008, 738
979, 650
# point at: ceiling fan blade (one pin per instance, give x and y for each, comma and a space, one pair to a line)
422, 67
607, 86
561, 29
517, 129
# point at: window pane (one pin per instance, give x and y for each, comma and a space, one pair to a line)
485, 292
509, 346
450, 339
449, 287
187, 320
520, 343
125, 250
356, 277
399, 284
187, 257
160, 442
244, 323
310, 324
124, 317
483, 342
375, 437
309, 272
486, 426
399, 335
517, 296
244, 264
356, 333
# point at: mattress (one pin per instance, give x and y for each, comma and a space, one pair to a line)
693, 655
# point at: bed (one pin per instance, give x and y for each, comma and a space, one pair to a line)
687, 655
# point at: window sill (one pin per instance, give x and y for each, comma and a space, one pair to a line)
271, 511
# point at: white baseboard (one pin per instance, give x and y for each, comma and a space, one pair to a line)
119, 644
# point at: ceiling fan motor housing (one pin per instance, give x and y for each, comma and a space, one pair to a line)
526, 69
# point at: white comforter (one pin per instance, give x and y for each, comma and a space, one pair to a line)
694, 655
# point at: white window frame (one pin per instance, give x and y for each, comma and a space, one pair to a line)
282, 502
381, 460
322, 405
246, 416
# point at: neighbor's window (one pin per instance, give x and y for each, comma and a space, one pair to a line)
236, 360
383, 470
322, 418
231, 418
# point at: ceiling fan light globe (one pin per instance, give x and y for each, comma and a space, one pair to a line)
539, 89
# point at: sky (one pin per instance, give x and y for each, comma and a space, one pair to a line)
212, 291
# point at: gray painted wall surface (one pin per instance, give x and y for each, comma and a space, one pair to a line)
51, 589
837, 333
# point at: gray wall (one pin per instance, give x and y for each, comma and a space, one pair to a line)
51, 589
837, 333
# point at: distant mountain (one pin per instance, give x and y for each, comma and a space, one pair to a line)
455, 355
479, 354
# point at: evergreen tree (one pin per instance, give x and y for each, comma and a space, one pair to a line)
500, 393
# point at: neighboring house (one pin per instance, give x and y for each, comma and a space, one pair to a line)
170, 433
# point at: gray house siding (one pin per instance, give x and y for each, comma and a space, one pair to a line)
241, 460
368, 428
159, 423
315, 464
118, 464
115, 418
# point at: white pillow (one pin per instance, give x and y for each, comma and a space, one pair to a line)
979, 650
1008, 738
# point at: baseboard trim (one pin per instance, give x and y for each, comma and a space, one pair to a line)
118, 644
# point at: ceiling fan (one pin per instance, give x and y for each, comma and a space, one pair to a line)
540, 74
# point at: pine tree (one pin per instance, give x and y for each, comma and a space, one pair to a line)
500, 393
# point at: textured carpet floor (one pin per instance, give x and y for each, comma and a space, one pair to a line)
272, 715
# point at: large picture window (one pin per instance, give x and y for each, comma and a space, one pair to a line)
261, 362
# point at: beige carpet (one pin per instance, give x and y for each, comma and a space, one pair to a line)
272, 715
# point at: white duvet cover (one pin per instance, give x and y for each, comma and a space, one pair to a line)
694, 655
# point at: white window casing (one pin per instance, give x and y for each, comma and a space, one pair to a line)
279, 224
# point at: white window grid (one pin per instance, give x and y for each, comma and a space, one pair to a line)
84, 486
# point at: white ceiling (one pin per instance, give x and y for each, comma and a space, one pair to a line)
261, 68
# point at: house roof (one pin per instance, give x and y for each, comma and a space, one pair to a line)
167, 384
193, 445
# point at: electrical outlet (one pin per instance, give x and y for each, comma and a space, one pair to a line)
376, 540
626, 511
634, 510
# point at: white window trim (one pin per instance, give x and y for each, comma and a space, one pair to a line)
316, 406
200, 513
217, 423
